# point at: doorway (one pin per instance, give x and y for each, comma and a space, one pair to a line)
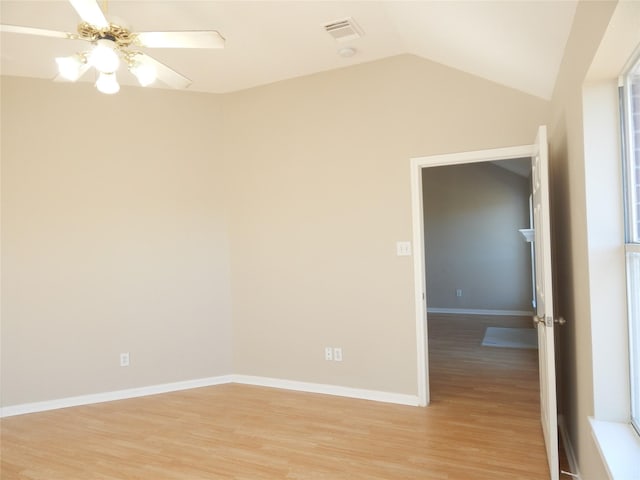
422, 302
544, 317
479, 280
477, 260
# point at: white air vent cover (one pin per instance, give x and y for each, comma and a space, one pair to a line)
344, 30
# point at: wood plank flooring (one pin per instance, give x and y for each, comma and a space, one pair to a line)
483, 424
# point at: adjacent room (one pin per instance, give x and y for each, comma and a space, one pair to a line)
479, 268
208, 239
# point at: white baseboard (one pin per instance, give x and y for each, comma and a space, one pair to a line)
476, 311
111, 396
568, 448
374, 395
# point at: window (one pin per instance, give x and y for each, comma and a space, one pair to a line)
630, 100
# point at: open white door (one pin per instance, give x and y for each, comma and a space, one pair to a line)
544, 318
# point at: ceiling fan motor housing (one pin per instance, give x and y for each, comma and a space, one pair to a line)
120, 35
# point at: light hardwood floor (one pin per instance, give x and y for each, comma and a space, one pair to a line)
483, 424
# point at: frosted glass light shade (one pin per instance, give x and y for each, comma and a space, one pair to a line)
144, 71
70, 67
104, 56
107, 83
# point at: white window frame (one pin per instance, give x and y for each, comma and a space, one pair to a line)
631, 145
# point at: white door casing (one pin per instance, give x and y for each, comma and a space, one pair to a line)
538, 153
544, 315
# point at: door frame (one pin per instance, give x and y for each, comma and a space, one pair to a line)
417, 221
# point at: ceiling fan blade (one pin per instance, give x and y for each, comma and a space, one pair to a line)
35, 31
90, 12
189, 39
167, 75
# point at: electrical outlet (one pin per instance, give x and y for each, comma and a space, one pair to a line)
328, 353
337, 354
458, 292
124, 359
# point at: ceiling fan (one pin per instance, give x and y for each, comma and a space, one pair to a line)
112, 43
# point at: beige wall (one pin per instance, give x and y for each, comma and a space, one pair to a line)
118, 227
320, 193
114, 239
568, 201
472, 216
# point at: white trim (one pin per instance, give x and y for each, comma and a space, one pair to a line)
478, 311
375, 395
568, 448
111, 396
420, 290
479, 156
416, 165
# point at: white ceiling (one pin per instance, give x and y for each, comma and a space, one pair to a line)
516, 43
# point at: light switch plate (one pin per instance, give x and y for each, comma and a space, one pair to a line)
403, 249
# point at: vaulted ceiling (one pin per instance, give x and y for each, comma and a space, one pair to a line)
516, 43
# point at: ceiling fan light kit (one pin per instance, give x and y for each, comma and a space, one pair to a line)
107, 83
103, 57
113, 43
143, 71
73, 67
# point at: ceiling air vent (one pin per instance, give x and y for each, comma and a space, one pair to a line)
344, 30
